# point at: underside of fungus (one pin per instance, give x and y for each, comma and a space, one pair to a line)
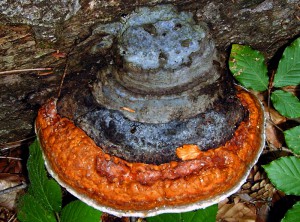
160, 129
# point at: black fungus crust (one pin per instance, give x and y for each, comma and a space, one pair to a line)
156, 143
146, 142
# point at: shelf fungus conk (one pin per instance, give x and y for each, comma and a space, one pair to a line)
160, 129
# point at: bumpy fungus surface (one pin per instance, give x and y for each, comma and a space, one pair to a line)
124, 188
160, 130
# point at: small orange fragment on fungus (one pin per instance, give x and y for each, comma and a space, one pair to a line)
128, 109
122, 188
188, 152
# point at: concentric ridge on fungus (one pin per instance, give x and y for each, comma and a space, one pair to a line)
160, 130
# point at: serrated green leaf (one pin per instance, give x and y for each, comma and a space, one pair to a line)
292, 139
203, 215
293, 214
284, 173
286, 103
288, 72
248, 67
78, 211
46, 191
30, 210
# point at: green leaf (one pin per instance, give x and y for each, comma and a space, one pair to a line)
293, 214
46, 191
288, 72
284, 173
203, 215
248, 67
292, 139
78, 211
30, 210
286, 103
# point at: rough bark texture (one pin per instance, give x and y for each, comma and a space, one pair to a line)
45, 34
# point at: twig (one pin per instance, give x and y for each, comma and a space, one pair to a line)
10, 145
57, 217
65, 72
270, 86
21, 186
67, 55
13, 218
44, 73
274, 124
9, 157
63, 78
23, 70
289, 151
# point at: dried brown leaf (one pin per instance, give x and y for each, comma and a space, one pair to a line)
275, 116
272, 136
236, 212
263, 210
292, 89
8, 200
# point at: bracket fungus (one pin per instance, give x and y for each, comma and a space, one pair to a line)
161, 129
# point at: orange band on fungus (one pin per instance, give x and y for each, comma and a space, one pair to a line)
137, 189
